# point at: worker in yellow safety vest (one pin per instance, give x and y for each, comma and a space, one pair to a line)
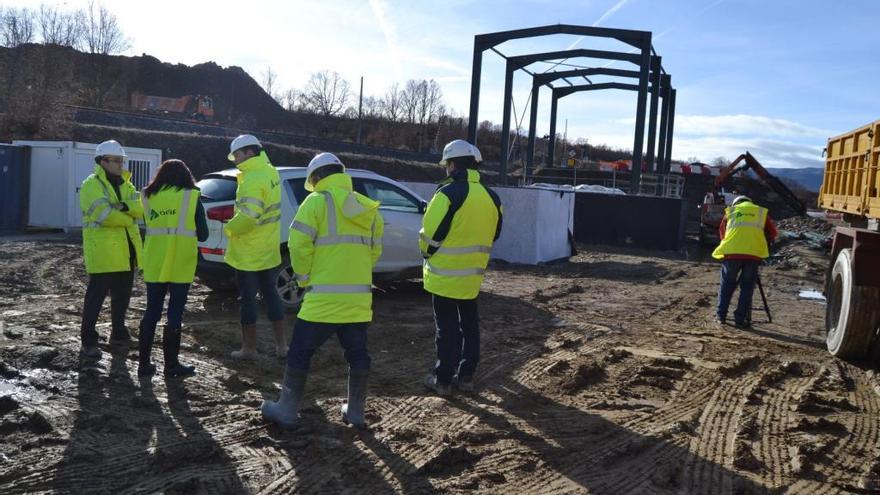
175, 221
745, 231
111, 244
335, 241
462, 222
254, 249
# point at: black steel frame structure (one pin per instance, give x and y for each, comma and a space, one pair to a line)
645, 59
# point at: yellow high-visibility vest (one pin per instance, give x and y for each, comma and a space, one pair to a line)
744, 233
170, 245
461, 224
106, 228
335, 241
254, 231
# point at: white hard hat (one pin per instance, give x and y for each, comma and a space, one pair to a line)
740, 199
240, 142
109, 148
459, 148
320, 160
477, 155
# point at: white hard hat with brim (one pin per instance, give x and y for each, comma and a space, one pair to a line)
241, 142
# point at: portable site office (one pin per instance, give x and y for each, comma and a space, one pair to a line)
57, 170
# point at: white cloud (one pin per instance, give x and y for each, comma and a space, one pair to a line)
740, 125
771, 153
744, 125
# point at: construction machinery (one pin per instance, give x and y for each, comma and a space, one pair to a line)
197, 107
851, 186
714, 204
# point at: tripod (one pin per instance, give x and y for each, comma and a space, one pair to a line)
763, 297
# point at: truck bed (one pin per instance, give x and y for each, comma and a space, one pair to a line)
852, 182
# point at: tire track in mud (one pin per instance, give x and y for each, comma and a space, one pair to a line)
714, 434
773, 422
853, 453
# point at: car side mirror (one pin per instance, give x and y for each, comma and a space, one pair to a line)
423, 207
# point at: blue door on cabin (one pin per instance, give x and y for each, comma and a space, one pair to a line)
14, 187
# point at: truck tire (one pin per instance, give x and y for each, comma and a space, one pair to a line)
852, 312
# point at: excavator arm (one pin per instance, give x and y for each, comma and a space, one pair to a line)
771, 180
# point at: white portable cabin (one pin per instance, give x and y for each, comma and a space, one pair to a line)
58, 169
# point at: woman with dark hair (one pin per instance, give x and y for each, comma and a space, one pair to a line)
175, 219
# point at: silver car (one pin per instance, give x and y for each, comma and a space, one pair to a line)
401, 208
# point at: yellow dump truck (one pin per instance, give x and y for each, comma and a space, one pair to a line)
852, 187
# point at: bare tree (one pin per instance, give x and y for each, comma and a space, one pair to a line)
58, 27
101, 32
392, 103
269, 81
102, 37
431, 104
327, 93
16, 27
719, 161
290, 99
372, 107
410, 100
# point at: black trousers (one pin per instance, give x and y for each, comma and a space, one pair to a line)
118, 284
457, 339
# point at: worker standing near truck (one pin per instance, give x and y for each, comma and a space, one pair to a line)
175, 224
335, 241
460, 225
746, 232
254, 234
111, 244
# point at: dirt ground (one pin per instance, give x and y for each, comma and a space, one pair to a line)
602, 375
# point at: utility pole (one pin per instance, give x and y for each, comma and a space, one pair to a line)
360, 111
565, 141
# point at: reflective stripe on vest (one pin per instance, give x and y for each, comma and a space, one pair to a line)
262, 218
305, 229
429, 241
329, 240
465, 272
340, 288
107, 201
333, 236
181, 229
96, 204
464, 250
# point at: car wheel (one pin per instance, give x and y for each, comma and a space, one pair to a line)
290, 293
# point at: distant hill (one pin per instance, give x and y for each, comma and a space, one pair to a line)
809, 178
36, 81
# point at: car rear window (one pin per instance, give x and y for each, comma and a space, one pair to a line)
217, 189
299, 189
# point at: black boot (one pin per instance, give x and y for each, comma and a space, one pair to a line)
145, 347
171, 348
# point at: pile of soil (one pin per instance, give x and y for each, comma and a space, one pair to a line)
806, 225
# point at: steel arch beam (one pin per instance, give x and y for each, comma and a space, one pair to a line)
519, 62
546, 78
665, 123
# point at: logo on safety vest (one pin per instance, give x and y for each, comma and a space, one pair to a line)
156, 214
274, 183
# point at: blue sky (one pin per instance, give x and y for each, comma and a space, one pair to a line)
776, 77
